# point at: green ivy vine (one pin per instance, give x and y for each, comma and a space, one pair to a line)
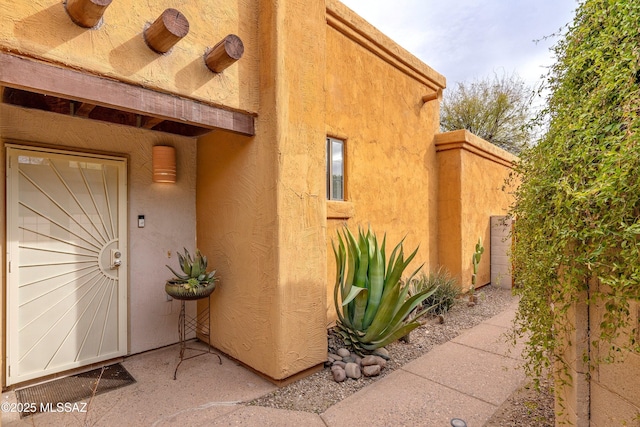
577, 208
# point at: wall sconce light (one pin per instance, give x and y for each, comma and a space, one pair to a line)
164, 164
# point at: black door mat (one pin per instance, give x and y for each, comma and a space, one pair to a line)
55, 394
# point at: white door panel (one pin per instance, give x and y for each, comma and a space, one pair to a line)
67, 288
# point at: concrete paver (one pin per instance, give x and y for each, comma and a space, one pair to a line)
505, 318
468, 378
266, 417
478, 373
203, 388
490, 338
405, 399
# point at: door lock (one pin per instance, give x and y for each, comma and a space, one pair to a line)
116, 260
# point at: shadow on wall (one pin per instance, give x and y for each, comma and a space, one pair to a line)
128, 58
47, 29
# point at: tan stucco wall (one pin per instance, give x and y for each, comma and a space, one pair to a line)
169, 209
116, 49
309, 70
608, 394
374, 102
261, 205
42, 28
278, 286
471, 177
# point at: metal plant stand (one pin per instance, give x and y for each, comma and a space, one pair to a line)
200, 323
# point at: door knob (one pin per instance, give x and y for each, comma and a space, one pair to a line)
116, 260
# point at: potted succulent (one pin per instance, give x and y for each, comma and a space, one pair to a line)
194, 282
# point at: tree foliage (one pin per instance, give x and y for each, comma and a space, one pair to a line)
497, 110
578, 204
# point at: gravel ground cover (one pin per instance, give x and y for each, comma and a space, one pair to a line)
526, 407
316, 393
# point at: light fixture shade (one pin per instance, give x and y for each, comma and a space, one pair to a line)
164, 164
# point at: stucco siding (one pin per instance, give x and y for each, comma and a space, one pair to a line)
374, 102
256, 205
473, 187
116, 47
261, 210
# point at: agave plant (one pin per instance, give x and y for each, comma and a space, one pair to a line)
194, 271
370, 297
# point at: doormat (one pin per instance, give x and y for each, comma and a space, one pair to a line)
60, 395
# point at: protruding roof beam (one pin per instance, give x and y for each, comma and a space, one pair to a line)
224, 54
170, 27
86, 13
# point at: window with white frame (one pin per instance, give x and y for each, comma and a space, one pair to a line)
335, 169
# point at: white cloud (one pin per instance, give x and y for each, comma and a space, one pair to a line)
467, 39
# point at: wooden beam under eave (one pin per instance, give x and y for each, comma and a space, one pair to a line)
27, 74
84, 109
150, 122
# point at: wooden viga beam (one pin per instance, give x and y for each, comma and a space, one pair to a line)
86, 13
170, 27
224, 54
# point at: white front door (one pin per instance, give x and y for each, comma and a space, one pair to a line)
66, 261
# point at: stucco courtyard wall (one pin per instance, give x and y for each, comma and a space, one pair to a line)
472, 188
374, 103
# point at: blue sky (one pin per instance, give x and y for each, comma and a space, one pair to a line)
469, 39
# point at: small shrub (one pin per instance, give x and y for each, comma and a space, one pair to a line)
445, 294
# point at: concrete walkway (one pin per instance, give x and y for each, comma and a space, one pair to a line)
468, 377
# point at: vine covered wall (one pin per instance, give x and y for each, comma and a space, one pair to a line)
577, 208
